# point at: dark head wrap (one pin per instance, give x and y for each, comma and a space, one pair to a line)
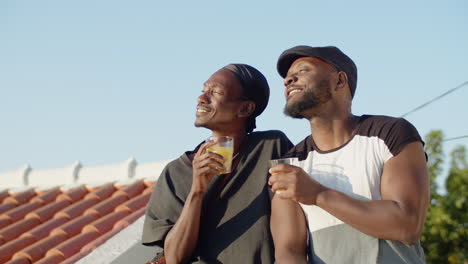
255, 87
330, 54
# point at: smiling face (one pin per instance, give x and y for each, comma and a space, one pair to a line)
220, 102
307, 85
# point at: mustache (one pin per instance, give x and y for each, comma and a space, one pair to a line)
294, 86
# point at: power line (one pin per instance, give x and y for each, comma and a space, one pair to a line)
435, 99
455, 138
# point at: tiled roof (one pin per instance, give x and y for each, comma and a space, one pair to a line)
59, 225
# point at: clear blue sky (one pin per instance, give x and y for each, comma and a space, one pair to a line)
101, 81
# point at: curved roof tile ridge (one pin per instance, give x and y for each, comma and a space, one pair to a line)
64, 223
38, 250
9, 249
4, 194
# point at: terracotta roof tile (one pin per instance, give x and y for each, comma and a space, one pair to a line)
135, 203
121, 224
4, 194
53, 259
97, 242
150, 184
20, 211
18, 228
6, 206
47, 196
55, 226
129, 219
74, 226
131, 190
102, 192
21, 260
7, 250
21, 197
74, 194
106, 206
74, 245
104, 224
44, 230
73, 259
77, 208
148, 190
5, 220
38, 250
47, 212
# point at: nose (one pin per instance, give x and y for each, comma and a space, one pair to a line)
203, 98
290, 79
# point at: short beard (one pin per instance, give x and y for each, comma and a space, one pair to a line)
312, 97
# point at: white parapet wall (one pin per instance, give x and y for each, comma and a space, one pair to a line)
150, 170
56, 176
77, 173
16, 178
107, 173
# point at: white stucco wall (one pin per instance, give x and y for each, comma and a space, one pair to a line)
56, 176
78, 173
16, 178
150, 170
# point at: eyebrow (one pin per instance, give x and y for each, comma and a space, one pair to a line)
311, 64
302, 63
299, 65
213, 85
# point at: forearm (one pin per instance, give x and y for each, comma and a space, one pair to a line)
289, 231
286, 257
182, 239
383, 219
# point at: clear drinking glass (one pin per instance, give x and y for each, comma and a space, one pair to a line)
225, 147
275, 162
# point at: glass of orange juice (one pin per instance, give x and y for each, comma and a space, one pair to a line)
225, 147
275, 162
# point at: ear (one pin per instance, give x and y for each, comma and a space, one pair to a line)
246, 109
342, 80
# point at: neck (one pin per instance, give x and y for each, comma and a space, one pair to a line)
332, 131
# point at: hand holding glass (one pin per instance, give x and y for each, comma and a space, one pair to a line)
275, 162
223, 146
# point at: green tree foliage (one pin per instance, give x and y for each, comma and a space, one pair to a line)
434, 151
445, 234
456, 204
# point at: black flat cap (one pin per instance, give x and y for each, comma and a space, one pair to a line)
329, 54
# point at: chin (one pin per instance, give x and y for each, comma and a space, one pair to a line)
294, 111
199, 123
